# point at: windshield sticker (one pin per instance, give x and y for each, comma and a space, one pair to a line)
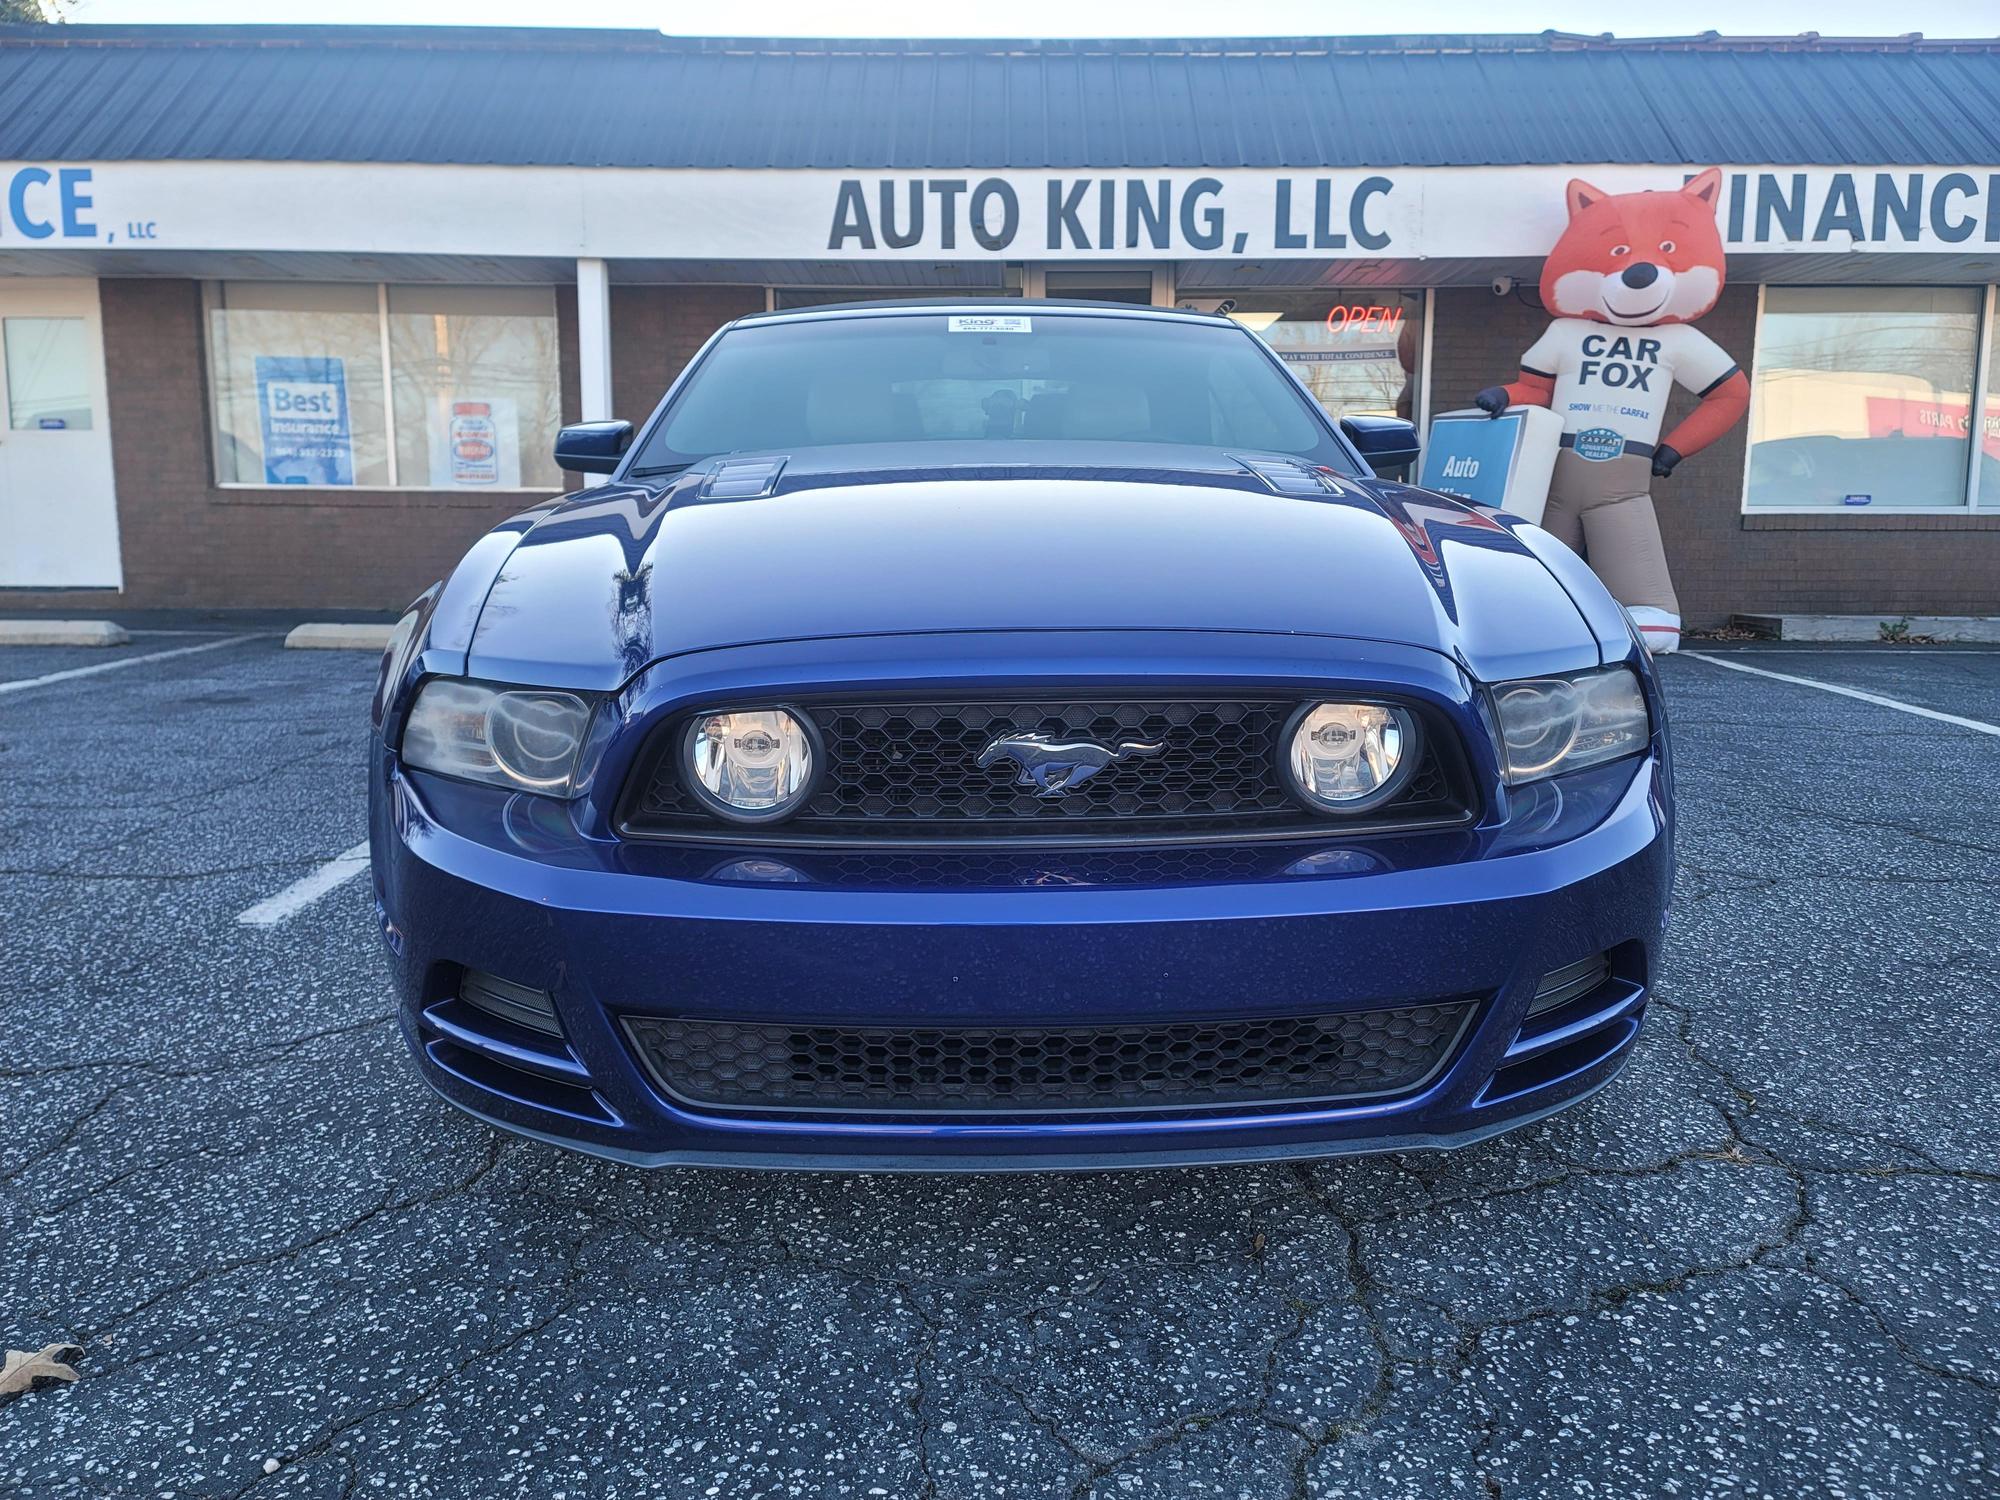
956, 324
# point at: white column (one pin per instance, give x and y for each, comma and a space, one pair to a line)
388, 376
1423, 411
593, 338
1982, 388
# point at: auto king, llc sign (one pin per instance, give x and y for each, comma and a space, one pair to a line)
1392, 213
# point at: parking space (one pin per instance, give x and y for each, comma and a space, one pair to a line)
1766, 1261
1949, 679
28, 668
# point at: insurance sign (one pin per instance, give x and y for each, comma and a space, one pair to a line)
303, 418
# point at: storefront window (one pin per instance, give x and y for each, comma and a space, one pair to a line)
297, 375
474, 373
1358, 354
1861, 397
299, 371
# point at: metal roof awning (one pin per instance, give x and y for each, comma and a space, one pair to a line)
569, 98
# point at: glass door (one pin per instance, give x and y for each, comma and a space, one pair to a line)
1357, 351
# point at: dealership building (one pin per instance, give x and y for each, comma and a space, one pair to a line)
289, 315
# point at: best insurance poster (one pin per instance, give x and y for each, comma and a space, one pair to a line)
302, 406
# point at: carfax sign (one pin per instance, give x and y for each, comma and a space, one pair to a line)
302, 409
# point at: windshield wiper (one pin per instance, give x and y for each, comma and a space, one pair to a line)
654, 471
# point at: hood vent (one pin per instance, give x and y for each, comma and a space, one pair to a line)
1290, 476
742, 479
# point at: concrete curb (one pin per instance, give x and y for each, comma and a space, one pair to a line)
62, 633
1872, 627
339, 637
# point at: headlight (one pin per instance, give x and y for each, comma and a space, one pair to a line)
751, 766
1549, 725
523, 738
1349, 757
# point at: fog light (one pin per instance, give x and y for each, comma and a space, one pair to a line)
1349, 757
752, 765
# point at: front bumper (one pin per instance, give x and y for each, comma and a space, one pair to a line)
468, 877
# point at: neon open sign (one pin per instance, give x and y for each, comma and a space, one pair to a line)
1356, 318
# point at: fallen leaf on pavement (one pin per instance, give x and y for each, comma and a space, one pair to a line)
23, 1372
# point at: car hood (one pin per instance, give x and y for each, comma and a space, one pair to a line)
861, 541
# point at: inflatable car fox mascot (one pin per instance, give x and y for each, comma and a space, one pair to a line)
1647, 265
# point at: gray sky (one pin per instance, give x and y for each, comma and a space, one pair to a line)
1107, 18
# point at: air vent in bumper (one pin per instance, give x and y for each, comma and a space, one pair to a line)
939, 1070
504, 1040
1571, 982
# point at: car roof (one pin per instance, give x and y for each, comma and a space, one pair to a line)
979, 306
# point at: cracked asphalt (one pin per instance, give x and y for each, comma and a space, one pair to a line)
1765, 1262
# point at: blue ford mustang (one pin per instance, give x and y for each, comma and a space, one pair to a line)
960, 738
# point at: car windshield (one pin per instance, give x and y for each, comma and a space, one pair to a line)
986, 378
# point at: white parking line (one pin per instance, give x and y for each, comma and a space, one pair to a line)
301, 893
23, 684
1841, 650
1847, 692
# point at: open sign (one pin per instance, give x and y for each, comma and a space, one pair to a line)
1354, 317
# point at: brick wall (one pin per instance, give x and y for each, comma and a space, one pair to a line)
189, 544
1723, 561
655, 330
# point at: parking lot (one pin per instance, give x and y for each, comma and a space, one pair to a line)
1766, 1261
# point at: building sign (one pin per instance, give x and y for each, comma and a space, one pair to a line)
302, 409
1833, 210
1405, 213
1169, 215
49, 202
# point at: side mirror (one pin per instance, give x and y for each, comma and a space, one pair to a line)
592, 447
1385, 442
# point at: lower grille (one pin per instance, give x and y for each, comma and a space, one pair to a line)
1025, 1070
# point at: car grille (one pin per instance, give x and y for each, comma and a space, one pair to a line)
930, 1070
911, 771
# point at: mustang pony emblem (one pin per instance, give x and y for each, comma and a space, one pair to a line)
1054, 766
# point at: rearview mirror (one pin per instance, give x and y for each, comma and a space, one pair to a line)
592, 447
1387, 443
